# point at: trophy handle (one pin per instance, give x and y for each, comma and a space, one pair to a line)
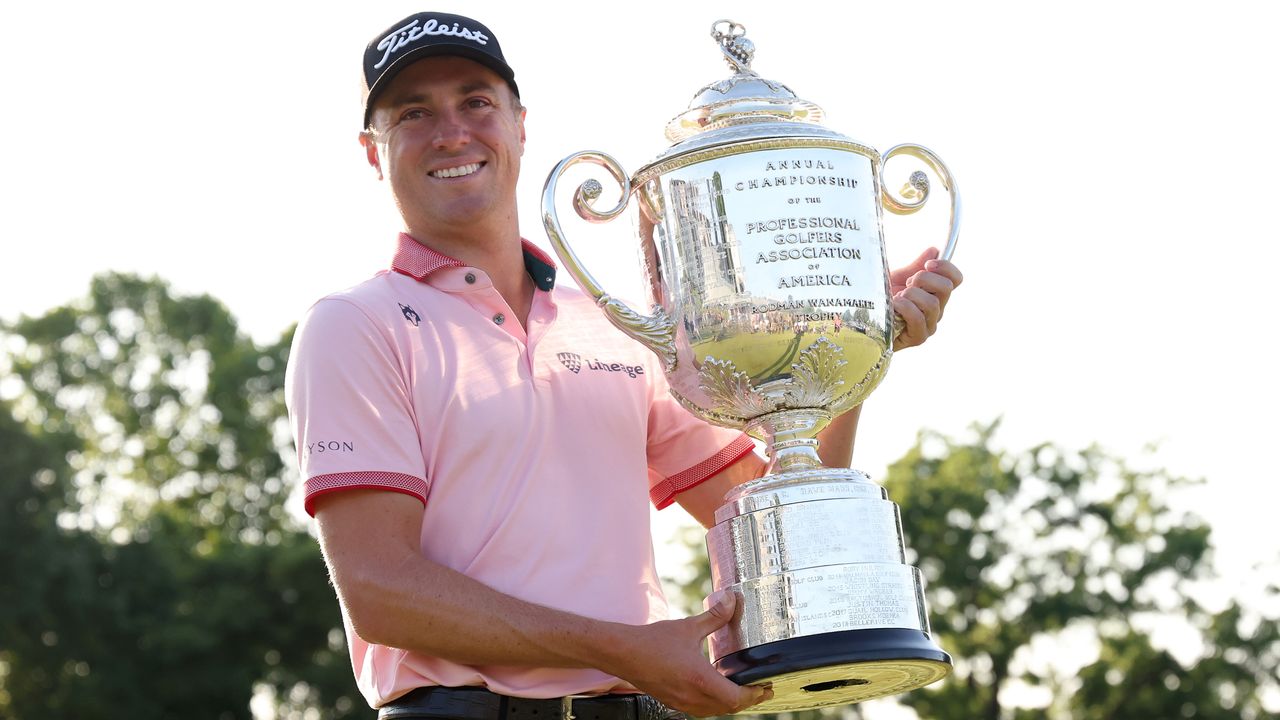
914, 195
656, 331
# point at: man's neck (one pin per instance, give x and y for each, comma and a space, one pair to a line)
500, 256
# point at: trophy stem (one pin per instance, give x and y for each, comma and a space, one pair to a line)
791, 437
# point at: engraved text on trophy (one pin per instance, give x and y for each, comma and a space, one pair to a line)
778, 249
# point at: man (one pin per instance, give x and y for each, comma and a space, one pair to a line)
510, 565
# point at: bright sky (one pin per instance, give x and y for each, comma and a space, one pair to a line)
1118, 164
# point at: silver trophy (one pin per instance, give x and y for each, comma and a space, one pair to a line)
762, 243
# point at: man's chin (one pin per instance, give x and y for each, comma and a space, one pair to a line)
462, 215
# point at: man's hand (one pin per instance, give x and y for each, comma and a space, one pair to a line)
920, 293
665, 660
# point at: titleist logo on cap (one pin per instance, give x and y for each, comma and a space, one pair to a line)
410, 33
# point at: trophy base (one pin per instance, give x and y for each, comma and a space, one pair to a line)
837, 668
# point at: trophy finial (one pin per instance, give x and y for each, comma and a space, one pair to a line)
738, 50
743, 98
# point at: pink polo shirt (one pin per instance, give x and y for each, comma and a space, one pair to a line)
533, 452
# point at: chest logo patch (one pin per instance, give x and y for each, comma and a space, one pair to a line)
573, 361
410, 314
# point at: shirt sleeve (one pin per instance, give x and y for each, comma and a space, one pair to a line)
350, 406
684, 450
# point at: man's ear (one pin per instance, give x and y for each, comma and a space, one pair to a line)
371, 152
523, 111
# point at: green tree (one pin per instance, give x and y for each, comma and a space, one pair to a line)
1025, 551
1023, 548
151, 567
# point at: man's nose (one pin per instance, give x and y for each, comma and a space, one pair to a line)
451, 132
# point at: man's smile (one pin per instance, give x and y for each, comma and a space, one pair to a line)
458, 171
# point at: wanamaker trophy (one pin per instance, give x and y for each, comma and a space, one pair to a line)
761, 237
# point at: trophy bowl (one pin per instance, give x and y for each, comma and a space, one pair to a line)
762, 245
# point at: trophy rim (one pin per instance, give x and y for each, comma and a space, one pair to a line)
694, 156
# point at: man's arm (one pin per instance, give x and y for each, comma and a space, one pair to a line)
394, 596
835, 447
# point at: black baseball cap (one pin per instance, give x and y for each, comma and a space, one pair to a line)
424, 35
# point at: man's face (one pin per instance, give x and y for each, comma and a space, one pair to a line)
448, 135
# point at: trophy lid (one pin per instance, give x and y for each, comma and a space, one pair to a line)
744, 105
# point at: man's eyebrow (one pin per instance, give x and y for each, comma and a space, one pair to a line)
413, 98
477, 85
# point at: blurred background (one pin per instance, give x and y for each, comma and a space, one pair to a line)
1080, 454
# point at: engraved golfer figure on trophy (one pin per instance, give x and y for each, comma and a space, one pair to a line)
762, 238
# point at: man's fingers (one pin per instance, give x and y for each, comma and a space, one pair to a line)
727, 696
750, 695
702, 691
759, 694
935, 283
915, 330
930, 306
765, 694
947, 269
899, 276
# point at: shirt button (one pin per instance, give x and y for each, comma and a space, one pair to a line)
470, 278
499, 319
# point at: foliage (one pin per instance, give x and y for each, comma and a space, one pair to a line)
159, 573
151, 569
1050, 543
170, 404
1077, 555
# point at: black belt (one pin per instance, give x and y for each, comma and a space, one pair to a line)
474, 703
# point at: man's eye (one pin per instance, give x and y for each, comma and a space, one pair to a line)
415, 114
478, 103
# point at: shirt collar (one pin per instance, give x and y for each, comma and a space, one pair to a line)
416, 260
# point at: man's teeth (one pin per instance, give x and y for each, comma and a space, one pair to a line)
456, 171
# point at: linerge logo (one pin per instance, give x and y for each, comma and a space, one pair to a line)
573, 361
410, 314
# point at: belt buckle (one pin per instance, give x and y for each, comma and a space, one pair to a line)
566, 706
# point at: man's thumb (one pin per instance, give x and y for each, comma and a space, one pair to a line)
721, 608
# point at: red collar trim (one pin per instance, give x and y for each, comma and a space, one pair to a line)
534, 250
416, 260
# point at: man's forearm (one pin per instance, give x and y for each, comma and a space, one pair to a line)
394, 596
443, 613
835, 446
412, 603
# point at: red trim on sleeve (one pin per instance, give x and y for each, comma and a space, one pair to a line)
396, 482
664, 493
